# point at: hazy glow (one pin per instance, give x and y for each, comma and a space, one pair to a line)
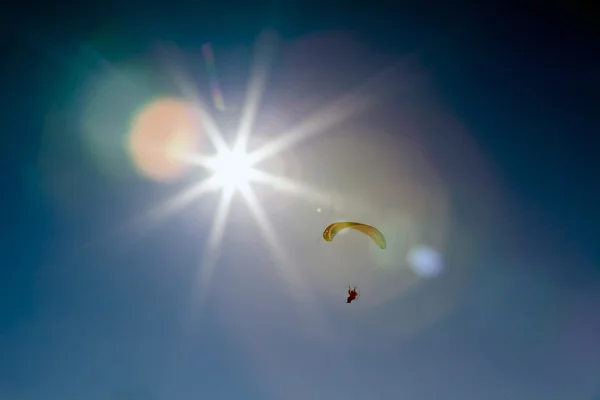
233, 169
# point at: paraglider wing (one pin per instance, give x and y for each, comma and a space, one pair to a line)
368, 230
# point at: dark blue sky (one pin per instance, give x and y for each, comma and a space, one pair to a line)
507, 117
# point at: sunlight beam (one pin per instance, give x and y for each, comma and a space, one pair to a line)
256, 87
358, 100
183, 83
268, 231
163, 210
212, 248
212, 130
197, 159
179, 201
145, 220
290, 186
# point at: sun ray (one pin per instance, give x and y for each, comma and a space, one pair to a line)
175, 203
290, 186
256, 87
141, 223
210, 127
212, 248
212, 131
358, 100
275, 248
179, 201
197, 159
146, 219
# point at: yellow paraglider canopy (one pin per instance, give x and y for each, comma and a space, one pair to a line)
368, 230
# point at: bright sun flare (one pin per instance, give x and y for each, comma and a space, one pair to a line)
232, 169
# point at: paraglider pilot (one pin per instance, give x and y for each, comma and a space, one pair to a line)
352, 295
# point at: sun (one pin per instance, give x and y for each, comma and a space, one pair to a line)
232, 168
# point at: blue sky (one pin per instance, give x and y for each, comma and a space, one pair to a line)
477, 143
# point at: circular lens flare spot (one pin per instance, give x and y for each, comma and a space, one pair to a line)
162, 134
425, 261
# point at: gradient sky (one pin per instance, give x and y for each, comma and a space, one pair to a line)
480, 141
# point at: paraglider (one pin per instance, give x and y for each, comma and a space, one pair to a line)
332, 230
353, 294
